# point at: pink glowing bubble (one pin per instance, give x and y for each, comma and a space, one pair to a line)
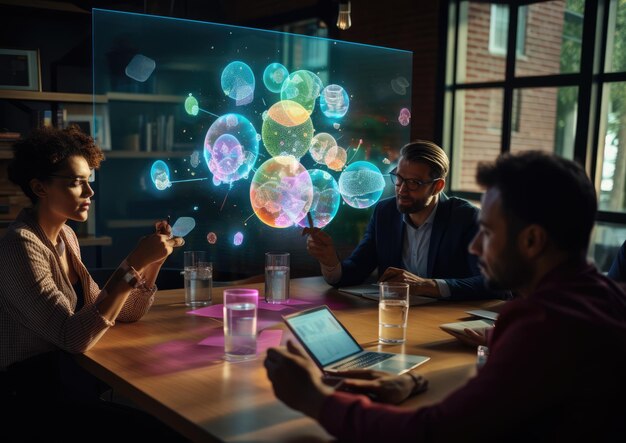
281, 192
238, 239
405, 117
211, 237
227, 155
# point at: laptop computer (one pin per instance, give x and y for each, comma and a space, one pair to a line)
333, 349
371, 291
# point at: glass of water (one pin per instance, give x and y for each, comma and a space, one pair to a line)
393, 310
198, 274
276, 277
240, 317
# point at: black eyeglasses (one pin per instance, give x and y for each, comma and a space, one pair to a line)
412, 183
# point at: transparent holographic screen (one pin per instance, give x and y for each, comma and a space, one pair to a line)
239, 215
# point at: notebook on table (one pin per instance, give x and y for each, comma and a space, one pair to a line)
371, 291
333, 349
475, 325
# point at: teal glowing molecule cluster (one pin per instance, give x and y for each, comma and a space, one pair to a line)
250, 130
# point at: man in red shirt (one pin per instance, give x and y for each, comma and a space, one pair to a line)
558, 352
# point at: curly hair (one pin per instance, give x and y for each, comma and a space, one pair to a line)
45, 152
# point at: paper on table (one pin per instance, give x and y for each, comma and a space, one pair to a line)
475, 325
217, 311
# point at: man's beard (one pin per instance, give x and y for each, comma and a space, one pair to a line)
509, 273
416, 206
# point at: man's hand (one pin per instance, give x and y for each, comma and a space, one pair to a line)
320, 245
382, 386
470, 337
417, 285
296, 380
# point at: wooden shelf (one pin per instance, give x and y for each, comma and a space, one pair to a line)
144, 154
66, 97
151, 98
92, 240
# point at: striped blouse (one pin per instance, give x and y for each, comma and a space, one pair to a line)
37, 301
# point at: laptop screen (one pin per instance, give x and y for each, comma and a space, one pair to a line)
322, 335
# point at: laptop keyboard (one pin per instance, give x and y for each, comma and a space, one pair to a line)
365, 360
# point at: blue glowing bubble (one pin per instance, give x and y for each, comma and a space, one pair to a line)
183, 226
334, 101
302, 87
281, 192
140, 68
238, 239
361, 184
238, 82
326, 199
274, 76
160, 175
191, 105
231, 148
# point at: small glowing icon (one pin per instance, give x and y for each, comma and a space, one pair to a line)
183, 226
405, 117
399, 85
361, 184
238, 239
334, 101
160, 174
140, 68
211, 237
274, 76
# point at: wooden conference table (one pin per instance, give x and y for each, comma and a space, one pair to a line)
159, 365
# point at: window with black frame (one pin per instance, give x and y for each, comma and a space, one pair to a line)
545, 75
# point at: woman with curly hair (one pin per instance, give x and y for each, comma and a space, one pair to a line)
50, 307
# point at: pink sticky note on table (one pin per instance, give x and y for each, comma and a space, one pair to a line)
214, 311
265, 339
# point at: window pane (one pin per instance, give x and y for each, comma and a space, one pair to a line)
552, 33
613, 159
478, 123
616, 37
606, 238
545, 119
482, 42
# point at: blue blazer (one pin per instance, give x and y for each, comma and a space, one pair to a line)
453, 229
618, 268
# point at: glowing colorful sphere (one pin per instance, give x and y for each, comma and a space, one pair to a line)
191, 105
334, 101
274, 76
238, 239
320, 144
361, 184
238, 82
326, 199
160, 175
287, 130
211, 237
335, 158
230, 148
302, 87
405, 117
281, 192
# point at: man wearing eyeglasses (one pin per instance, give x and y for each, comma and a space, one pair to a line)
419, 237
